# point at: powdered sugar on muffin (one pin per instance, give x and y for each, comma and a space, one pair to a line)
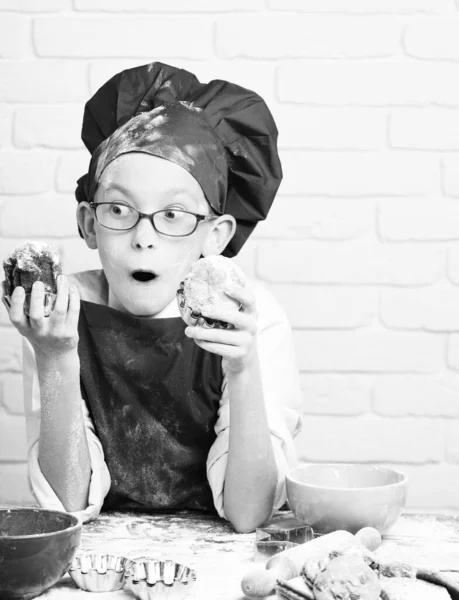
31, 262
204, 287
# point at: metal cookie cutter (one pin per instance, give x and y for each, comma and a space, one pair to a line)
194, 317
278, 534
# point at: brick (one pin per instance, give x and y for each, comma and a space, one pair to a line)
452, 356
416, 220
351, 263
47, 215
400, 396
251, 74
159, 6
432, 486
7, 245
13, 444
70, 167
364, 6
246, 258
450, 176
10, 350
74, 37
358, 174
14, 32
437, 39
48, 126
302, 218
6, 125
330, 128
42, 81
102, 71
335, 394
26, 172
32, 6
12, 394
452, 441
428, 309
428, 129
308, 36
15, 489
76, 256
254, 75
367, 83
453, 265
346, 439
368, 352
327, 308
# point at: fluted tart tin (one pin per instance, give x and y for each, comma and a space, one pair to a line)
194, 317
95, 572
151, 579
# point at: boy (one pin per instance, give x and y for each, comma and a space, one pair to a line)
127, 407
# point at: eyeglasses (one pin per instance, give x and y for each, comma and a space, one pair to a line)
171, 221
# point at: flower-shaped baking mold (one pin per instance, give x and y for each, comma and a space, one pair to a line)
150, 579
95, 572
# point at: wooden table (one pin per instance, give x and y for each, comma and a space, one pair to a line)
221, 557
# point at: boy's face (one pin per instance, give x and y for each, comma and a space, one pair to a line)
148, 183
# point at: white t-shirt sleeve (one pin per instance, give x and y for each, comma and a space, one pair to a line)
282, 396
42, 490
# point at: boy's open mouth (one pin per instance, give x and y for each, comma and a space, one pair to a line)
144, 276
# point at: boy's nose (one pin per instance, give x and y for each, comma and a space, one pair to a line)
145, 235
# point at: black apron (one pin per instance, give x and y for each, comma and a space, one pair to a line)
153, 395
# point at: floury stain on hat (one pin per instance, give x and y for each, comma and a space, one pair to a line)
222, 134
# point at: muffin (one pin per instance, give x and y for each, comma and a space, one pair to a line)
202, 290
27, 264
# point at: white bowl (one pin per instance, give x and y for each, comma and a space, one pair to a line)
332, 496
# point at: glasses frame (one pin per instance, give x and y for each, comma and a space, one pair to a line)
150, 217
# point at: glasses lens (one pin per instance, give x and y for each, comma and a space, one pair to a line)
175, 222
116, 216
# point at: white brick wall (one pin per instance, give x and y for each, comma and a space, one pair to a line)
362, 244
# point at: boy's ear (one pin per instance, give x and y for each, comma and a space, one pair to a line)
222, 230
86, 220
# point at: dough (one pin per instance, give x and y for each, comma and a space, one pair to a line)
347, 577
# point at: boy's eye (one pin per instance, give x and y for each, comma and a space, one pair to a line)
119, 210
172, 214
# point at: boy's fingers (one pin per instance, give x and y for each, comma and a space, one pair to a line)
37, 304
6, 303
225, 337
16, 310
244, 295
62, 300
220, 349
240, 320
74, 306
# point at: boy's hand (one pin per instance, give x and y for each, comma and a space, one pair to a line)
237, 346
50, 336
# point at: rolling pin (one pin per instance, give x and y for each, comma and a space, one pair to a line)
260, 582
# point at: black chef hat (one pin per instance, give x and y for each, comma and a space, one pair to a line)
223, 134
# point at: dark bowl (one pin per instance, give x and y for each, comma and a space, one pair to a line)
37, 547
